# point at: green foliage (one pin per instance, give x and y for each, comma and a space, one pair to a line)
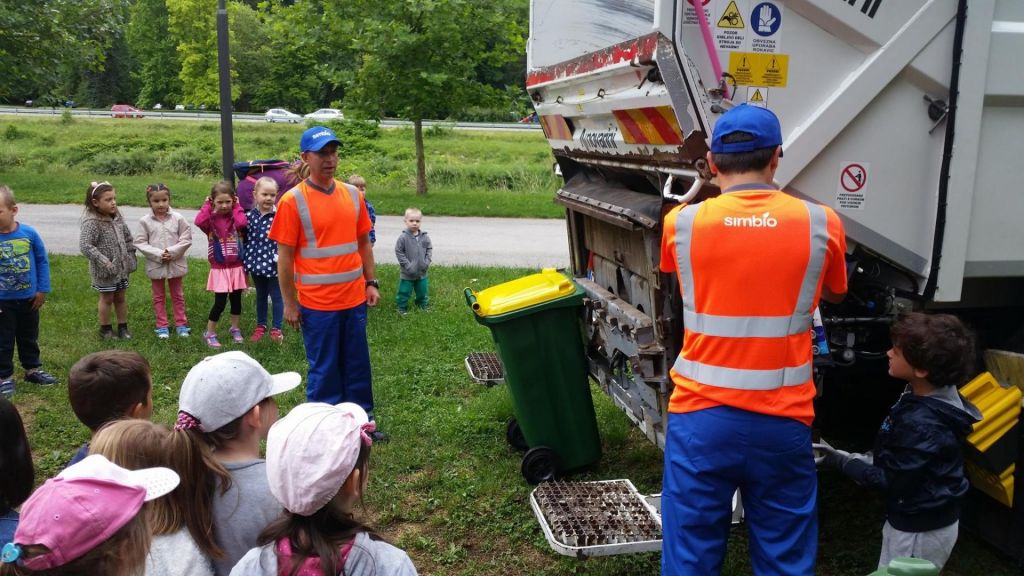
42, 42
194, 24
11, 132
131, 163
155, 53
419, 58
193, 161
66, 117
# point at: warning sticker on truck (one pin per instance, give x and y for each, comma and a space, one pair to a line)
852, 188
756, 69
731, 27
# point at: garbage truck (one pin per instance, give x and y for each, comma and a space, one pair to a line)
905, 116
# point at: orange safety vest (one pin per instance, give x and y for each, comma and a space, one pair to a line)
750, 266
333, 258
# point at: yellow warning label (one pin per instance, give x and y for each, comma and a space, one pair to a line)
757, 97
759, 69
731, 18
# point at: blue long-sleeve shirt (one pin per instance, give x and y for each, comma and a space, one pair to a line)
24, 265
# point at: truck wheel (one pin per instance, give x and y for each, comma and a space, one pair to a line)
514, 435
540, 464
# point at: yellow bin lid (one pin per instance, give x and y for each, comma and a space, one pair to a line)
548, 285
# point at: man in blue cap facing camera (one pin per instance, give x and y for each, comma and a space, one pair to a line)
751, 264
327, 274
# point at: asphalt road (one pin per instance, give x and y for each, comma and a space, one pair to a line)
501, 242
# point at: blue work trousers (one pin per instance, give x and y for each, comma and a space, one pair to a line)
338, 355
708, 455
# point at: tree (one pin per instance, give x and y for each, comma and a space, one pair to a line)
155, 53
422, 59
193, 23
43, 40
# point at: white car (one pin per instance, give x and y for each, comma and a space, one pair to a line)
326, 114
282, 115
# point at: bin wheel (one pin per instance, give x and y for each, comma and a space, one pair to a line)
540, 464
514, 435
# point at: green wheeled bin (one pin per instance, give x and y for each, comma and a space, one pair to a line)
535, 324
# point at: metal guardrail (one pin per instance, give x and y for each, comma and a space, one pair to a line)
210, 116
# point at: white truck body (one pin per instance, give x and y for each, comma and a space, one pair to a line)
848, 84
905, 116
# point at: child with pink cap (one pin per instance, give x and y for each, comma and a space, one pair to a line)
86, 521
317, 464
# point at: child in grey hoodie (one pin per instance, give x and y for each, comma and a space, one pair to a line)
414, 251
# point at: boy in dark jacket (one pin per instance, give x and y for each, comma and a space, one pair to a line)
918, 454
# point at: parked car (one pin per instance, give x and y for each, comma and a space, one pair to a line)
282, 115
326, 114
70, 104
28, 103
158, 106
179, 106
125, 111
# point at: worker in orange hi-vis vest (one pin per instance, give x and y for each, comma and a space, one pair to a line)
752, 264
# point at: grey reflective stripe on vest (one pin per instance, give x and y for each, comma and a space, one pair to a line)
740, 378
311, 250
749, 326
330, 278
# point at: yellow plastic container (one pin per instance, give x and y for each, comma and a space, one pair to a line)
548, 285
1000, 409
998, 486
992, 446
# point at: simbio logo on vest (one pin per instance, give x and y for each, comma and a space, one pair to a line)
763, 221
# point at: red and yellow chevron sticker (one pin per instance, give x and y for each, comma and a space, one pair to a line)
555, 127
649, 125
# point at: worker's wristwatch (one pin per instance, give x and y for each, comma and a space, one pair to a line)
373, 283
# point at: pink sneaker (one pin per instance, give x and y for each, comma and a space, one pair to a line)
276, 335
258, 333
236, 335
211, 340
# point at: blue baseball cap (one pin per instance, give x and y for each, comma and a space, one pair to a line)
316, 138
754, 126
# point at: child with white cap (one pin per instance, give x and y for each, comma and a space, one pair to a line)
86, 521
317, 463
226, 407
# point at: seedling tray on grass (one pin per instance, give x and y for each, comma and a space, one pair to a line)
603, 518
485, 368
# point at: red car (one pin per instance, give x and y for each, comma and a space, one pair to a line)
125, 111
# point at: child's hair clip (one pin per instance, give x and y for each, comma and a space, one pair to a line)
10, 554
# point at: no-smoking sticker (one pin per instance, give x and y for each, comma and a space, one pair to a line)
852, 187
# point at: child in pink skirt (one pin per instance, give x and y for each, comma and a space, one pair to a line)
222, 219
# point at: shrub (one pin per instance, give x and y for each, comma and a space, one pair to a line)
131, 163
440, 130
12, 132
9, 158
193, 161
66, 117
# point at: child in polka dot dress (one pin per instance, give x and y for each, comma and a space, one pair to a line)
261, 260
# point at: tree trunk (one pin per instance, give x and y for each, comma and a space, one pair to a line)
421, 164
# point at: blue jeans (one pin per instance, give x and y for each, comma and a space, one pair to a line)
268, 286
708, 455
338, 355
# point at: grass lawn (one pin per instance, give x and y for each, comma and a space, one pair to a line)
48, 161
447, 488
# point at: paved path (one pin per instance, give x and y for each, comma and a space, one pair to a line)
503, 242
